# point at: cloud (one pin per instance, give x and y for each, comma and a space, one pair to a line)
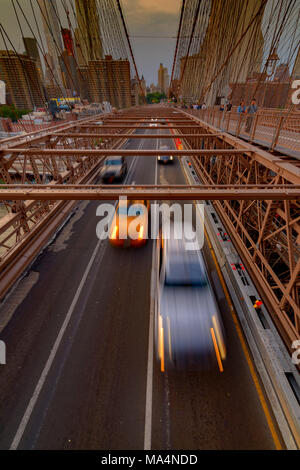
152, 17
151, 6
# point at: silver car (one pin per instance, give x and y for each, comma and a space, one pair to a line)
188, 328
114, 168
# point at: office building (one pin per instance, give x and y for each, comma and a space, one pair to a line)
110, 81
163, 79
88, 36
22, 80
49, 15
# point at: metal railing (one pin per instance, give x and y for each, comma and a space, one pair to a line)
275, 131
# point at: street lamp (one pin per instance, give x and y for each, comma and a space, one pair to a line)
270, 67
271, 63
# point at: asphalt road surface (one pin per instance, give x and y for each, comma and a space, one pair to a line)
78, 375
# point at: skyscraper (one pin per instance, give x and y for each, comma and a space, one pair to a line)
81, 59
32, 51
68, 63
110, 81
296, 69
22, 79
143, 85
49, 15
163, 79
88, 36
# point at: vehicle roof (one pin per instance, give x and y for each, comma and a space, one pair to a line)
115, 157
178, 246
130, 202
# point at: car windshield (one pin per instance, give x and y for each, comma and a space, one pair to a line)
132, 210
185, 271
136, 209
113, 162
122, 210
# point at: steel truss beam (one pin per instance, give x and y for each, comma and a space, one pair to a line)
42, 152
148, 121
135, 126
255, 193
132, 136
151, 192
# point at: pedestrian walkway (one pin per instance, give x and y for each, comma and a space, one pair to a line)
273, 131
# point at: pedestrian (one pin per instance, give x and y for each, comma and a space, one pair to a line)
221, 107
241, 108
251, 111
228, 107
53, 108
203, 106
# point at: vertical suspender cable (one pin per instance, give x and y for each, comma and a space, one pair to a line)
130, 48
177, 42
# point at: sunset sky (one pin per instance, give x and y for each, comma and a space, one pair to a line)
154, 18
143, 17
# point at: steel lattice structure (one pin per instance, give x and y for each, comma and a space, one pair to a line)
266, 233
255, 193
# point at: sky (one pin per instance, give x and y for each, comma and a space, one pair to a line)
143, 18
154, 18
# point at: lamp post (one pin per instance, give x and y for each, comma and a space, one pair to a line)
271, 63
270, 67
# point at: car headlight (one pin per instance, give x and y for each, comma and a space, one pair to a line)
171, 158
158, 157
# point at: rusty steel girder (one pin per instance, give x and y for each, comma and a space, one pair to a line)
265, 229
82, 152
99, 192
25, 217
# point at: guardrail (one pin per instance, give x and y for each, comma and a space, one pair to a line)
272, 130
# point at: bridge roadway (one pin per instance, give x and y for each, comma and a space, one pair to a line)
94, 394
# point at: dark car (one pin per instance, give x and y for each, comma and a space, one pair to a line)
165, 158
114, 168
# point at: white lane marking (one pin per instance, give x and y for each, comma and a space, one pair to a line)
26, 417
29, 410
132, 165
149, 383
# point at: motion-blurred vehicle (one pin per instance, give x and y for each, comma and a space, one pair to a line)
64, 107
114, 169
165, 158
97, 107
152, 124
130, 213
189, 333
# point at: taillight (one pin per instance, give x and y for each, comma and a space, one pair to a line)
114, 232
141, 232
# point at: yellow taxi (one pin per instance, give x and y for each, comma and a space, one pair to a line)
129, 226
